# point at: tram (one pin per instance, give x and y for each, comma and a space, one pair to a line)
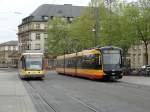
31, 65
97, 63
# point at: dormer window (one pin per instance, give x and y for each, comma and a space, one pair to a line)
52, 17
45, 18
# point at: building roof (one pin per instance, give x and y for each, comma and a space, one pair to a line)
51, 10
10, 43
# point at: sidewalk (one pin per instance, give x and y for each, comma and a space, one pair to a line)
13, 96
137, 80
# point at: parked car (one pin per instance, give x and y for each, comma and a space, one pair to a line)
145, 70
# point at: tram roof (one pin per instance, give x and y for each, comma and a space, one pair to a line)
32, 53
82, 53
88, 52
110, 47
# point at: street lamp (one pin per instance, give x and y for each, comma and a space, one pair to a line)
97, 25
95, 36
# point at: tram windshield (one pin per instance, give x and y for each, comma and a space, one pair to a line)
112, 59
34, 62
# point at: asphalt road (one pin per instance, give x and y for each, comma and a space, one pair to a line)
60, 93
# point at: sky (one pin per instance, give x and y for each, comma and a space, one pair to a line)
13, 11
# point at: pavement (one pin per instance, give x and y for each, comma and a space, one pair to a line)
141, 80
13, 95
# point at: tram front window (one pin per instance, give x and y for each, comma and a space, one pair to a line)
34, 63
111, 61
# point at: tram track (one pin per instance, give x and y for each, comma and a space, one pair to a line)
74, 98
41, 97
46, 92
91, 107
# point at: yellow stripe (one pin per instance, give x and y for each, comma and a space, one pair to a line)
91, 72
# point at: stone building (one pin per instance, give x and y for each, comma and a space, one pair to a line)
7, 50
32, 32
137, 55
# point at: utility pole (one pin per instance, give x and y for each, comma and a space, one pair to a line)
109, 5
97, 25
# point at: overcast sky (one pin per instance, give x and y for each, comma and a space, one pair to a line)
12, 12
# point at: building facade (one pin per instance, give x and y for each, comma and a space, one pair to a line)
7, 50
137, 55
32, 32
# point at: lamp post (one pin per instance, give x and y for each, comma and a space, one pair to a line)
97, 25
95, 37
109, 5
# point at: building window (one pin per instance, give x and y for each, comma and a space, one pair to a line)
14, 48
29, 47
37, 26
139, 58
38, 36
45, 39
37, 46
52, 17
45, 26
9, 48
134, 58
45, 17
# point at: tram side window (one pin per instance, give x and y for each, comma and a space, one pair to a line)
92, 61
74, 62
59, 63
70, 62
79, 62
66, 62
23, 63
62, 63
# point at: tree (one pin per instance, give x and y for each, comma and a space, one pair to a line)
140, 17
81, 29
57, 36
121, 24
116, 27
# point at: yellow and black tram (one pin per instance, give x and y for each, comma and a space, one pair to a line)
31, 65
97, 63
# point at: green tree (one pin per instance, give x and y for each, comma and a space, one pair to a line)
57, 36
116, 26
140, 17
121, 24
81, 29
